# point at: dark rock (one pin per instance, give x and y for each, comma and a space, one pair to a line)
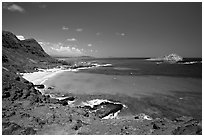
4, 58
16, 94
26, 93
63, 102
18, 78
35, 98
29, 131
156, 126
106, 108
10, 128
6, 95
50, 88
6, 88
26, 81
39, 86
77, 125
25, 115
45, 98
188, 130
137, 117
10, 113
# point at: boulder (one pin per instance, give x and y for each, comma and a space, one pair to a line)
6, 94
29, 131
39, 86
63, 102
106, 108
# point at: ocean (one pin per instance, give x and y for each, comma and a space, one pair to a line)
156, 88
189, 67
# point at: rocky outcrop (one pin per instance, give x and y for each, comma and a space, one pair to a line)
103, 108
171, 58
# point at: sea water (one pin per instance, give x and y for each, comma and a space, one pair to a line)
189, 67
131, 77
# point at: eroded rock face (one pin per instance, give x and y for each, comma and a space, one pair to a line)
103, 108
39, 86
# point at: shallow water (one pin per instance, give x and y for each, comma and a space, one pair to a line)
86, 83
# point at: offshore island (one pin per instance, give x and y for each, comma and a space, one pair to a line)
32, 105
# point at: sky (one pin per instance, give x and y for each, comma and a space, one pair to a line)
118, 29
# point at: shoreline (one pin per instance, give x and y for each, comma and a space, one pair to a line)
142, 84
41, 76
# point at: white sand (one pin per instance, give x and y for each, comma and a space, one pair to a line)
41, 76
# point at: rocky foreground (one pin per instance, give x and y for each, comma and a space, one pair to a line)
26, 111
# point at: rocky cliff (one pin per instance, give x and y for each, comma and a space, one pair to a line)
23, 56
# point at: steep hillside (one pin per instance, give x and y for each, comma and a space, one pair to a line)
23, 56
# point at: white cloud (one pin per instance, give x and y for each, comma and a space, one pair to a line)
79, 30
20, 37
59, 49
65, 28
13, 7
72, 39
89, 45
67, 50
